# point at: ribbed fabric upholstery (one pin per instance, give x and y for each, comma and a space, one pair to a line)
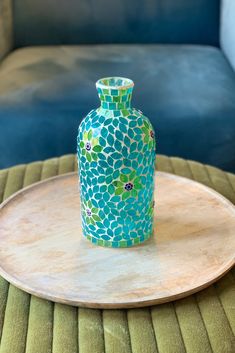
201, 323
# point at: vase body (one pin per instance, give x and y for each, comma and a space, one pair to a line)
116, 158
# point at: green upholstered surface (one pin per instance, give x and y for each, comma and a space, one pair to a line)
201, 323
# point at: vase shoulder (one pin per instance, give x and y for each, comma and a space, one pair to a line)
128, 119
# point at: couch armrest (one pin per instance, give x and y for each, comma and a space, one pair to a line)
6, 27
227, 30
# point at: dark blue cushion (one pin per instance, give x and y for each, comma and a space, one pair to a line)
39, 22
188, 92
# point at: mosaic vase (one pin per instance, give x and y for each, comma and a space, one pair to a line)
116, 157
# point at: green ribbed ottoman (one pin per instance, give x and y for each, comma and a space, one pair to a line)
203, 323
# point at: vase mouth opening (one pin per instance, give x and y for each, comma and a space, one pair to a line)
114, 83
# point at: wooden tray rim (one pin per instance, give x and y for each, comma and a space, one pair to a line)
132, 303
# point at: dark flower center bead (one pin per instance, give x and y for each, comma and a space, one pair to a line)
128, 186
152, 134
88, 211
88, 146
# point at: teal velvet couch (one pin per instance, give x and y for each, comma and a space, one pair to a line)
181, 55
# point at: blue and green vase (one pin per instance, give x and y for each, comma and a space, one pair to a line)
116, 157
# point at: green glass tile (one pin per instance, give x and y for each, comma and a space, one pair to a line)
108, 98
112, 106
100, 242
125, 112
116, 99
117, 112
123, 244
121, 106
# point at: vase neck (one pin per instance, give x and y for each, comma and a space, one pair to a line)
115, 93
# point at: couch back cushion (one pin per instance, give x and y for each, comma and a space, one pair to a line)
227, 30
39, 22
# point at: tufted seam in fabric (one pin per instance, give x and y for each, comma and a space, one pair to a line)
4, 185
151, 316
25, 171
23, 176
178, 321
128, 325
102, 322
8, 177
77, 330
191, 176
190, 169
49, 168
228, 176
4, 311
40, 178
57, 169
7, 296
213, 184
28, 323
129, 335
74, 163
172, 165
209, 176
229, 181
221, 304
204, 324
225, 289
53, 326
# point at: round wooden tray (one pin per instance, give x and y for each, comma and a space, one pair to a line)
43, 252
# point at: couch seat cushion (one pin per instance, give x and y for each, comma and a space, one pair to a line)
188, 92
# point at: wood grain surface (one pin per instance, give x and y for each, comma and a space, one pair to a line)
43, 252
